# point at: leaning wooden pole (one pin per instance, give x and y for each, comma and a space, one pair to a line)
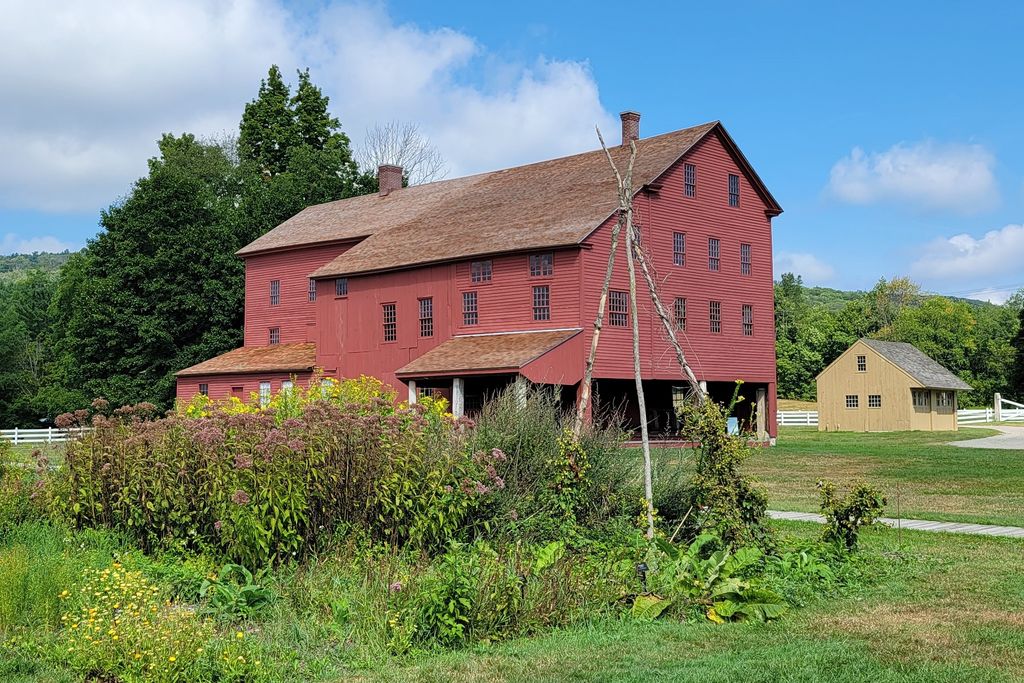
645, 439
588, 374
638, 254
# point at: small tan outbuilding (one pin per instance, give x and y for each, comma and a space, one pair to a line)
879, 386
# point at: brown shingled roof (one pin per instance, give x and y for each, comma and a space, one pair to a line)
537, 206
249, 359
508, 351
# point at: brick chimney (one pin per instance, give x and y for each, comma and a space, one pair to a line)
389, 178
630, 126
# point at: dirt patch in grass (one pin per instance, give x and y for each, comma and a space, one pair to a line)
940, 632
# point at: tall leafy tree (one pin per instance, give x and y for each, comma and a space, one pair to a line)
159, 288
1017, 379
268, 132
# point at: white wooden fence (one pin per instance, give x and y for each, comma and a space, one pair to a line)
809, 418
48, 435
803, 418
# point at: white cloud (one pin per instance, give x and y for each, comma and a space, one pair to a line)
15, 244
813, 269
965, 258
97, 83
993, 295
925, 175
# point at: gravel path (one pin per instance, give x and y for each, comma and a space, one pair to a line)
1012, 438
916, 524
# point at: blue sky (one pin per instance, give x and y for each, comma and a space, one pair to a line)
888, 131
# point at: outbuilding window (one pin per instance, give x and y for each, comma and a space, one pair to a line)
715, 316
312, 289
734, 190
470, 313
690, 180
874, 401
679, 248
480, 271
680, 313
275, 292
862, 363
944, 399
744, 259
852, 401
427, 317
542, 264
264, 394
341, 286
618, 308
714, 253
275, 335
922, 398
748, 320
390, 316
204, 389
542, 303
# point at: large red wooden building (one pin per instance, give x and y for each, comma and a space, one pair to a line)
462, 285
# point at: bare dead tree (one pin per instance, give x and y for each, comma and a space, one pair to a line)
624, 187
588, 374
402, 144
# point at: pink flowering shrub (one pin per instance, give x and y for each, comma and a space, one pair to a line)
263, 486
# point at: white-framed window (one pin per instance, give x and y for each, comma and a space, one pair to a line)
389, 314
715, 316
734, 190
542, 265
264, 394
542, 302
852, 401
274, 335
862, 363
427, 317
618, 308
679, 311
744, 259
480, 271
689, 180
874, 400
341, 286
470, 309
714, 253
922, 398
748, 320
312, 289
679, 248
275, 292
286, 386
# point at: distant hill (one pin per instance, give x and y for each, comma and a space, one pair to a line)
13, 265
835, 299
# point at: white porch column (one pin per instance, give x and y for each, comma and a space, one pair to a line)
997, 405
412, 392
762, 415
703, 385
458, 396
520, 389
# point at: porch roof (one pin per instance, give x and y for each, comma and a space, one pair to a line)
248, 359
486, 353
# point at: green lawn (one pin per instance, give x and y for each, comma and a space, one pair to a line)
950, 608
930, 479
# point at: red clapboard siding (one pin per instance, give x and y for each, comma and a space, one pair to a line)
295, 315
350, 329
715, 357
220, 385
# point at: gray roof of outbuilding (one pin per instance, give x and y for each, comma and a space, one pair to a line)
918, 365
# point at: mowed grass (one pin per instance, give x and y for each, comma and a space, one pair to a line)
944, 608
927, 478
796, 404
